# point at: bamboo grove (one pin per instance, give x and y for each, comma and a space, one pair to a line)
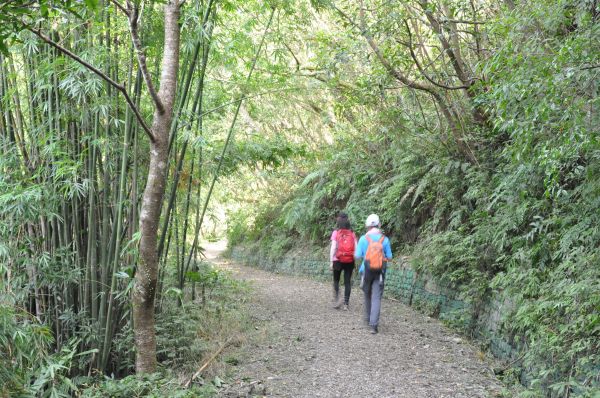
75, 156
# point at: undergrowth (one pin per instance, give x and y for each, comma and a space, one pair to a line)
188, 332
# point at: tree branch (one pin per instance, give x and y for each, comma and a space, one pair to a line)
347, 18
428, 88
418, 64
452, 51
446, 20
134, 14
590, 67
393, 71
120, 7
98, 72
316, 76
293, 55
460, 67
208, 362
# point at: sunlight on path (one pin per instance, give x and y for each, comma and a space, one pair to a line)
212, 250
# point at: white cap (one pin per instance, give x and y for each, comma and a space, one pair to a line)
372, 221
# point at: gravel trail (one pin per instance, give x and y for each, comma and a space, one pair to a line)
309, 349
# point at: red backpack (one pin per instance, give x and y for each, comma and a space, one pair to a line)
345, 246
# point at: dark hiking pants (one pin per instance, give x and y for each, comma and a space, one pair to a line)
347, 268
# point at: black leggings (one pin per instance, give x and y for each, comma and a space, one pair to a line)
337, 272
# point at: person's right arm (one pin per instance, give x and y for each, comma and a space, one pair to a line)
332, 251
387, 249
387, 253
359, 253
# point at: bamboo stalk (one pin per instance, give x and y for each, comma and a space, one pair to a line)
117, 243
228, 140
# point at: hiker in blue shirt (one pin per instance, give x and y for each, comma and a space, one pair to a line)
375, 251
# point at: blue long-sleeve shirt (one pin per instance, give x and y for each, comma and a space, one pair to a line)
363, 244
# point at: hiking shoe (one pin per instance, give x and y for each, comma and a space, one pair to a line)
337, 304
374, 330
345, 307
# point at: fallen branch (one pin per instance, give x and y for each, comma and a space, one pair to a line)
207, 363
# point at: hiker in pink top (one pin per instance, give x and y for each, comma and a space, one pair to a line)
341, 255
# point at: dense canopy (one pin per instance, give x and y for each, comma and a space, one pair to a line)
131, 131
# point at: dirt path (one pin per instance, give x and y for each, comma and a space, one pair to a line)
309, 349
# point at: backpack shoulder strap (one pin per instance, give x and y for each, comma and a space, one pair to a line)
382, 238
369, 238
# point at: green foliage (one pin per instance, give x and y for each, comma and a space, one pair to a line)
521, 222
27, 365
154, 385
70, 179
502, 206
185, 334
23, 346
18, 15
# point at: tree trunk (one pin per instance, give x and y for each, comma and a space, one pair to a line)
147, 271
